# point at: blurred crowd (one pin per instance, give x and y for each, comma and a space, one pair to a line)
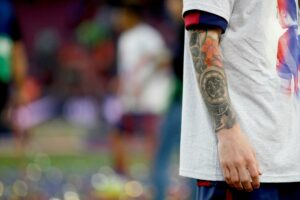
111, 67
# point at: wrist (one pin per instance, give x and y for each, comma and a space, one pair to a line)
228, 132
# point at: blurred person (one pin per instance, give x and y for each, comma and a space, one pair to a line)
169, 137
241, 108
145, 81
13, 67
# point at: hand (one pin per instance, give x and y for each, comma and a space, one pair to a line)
237, 158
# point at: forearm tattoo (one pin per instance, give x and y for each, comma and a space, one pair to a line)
211, 78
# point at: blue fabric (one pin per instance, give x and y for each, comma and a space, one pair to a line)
267, 191
209, 19
9, 25
169, 140
6, 16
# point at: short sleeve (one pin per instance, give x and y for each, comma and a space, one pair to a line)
222, 8
200, 19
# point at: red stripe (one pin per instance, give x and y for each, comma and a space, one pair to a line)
228, 195
191, 18
201, 183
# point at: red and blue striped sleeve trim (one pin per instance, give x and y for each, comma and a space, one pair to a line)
197, 19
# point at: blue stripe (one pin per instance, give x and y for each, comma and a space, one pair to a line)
210, 20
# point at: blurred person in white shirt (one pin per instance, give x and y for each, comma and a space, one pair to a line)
145, 80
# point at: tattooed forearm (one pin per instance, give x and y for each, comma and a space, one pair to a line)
204, 47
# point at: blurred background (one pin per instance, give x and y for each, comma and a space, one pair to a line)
91, 100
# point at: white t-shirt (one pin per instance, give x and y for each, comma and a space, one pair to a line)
260, 52
145, 87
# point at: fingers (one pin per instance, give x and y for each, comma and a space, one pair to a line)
257, 164
227, 176
234, 178
257, 168
254, 173
242, 175
245, 179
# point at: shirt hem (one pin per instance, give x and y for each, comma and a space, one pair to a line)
218, 177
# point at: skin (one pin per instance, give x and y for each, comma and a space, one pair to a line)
237, 157
128, 19
19, 68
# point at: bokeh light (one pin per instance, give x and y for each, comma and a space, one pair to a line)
34, 172
134, 189
70, 195
20, 188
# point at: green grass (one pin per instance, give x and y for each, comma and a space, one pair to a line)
79, 162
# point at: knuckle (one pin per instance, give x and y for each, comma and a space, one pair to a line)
227, 177
238, 162
252, 167
228, 181
249, 159
254, 175
245, 182
223, 163
235, 181
247, 187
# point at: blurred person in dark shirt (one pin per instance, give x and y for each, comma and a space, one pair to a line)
13, 65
